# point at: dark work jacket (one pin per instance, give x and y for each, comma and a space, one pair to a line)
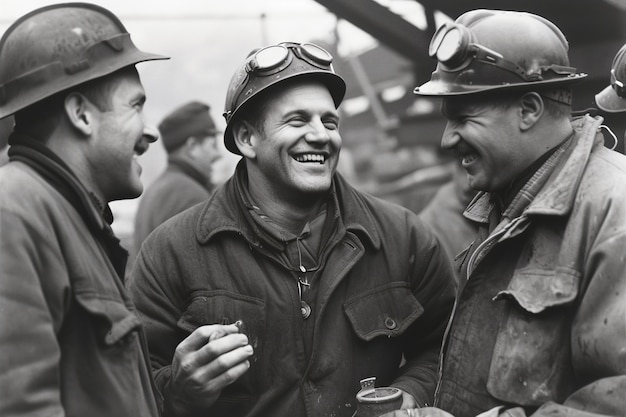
539, 327
71, 342
179, 187
385, 288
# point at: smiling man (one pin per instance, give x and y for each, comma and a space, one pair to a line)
326, 286
71, 343
538, 327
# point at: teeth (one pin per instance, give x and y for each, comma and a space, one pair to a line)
310, 158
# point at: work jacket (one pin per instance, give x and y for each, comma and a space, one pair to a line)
539, 325
71, 342
385, 288
179, 187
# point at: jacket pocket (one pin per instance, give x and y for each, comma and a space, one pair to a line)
384, 311
224, 307
531, 358
112, 321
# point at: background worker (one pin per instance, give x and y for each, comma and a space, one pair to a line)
538, 328
612, 99
70, 341
328, 285
189, 137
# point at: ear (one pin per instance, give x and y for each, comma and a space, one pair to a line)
531, 108
79, 111
245, 136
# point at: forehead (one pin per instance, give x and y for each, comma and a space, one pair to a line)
299, 93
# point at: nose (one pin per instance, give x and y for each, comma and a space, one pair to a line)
450, 137
151, 134
318, 133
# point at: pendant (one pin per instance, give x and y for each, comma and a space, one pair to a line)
305, 310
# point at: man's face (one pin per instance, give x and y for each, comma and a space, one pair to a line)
297, 151
205, 152
119, 138
486, 141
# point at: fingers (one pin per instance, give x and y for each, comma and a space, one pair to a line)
203, 334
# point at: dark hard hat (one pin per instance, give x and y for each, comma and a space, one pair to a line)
485, 50
60, 46
613, 98
297, 60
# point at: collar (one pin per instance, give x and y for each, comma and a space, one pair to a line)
57, 173
552, 189
226, 212
180, 164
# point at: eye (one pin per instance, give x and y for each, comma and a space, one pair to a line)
331, 124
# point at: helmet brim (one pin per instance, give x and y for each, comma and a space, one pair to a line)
608, 101
335, 84
441, 89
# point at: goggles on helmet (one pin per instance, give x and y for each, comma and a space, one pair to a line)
453, 46
617, 85
275, 58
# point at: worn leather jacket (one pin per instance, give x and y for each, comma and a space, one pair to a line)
540, 325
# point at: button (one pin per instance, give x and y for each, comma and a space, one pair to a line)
305, 310
390, 323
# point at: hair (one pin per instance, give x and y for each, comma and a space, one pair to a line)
41, 118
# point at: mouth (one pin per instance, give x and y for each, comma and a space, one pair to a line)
311, 158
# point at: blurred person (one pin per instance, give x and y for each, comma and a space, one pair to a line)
538, 327
325, 285
6, 127
71, 342
444, 213
189, 136
612, 98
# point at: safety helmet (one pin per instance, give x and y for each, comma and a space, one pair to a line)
272, 65
613, 98
485, 50
60, 46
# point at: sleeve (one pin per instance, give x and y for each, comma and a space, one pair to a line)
31, 303
158, 307
434, 285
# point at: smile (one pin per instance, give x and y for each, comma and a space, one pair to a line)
310, 158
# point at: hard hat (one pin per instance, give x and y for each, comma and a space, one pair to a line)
486, 50
613, 98
274, 64
60, 46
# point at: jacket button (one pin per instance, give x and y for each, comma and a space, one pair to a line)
390, 323
305, 310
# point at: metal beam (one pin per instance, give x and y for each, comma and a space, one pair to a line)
389, 28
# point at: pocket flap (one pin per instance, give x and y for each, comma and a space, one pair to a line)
537, 290
384, 311
117, 320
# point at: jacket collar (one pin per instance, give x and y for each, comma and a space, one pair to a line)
225, 212
179, 164
552, 190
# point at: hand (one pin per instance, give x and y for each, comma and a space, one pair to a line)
408, 401
207, 361
419, 412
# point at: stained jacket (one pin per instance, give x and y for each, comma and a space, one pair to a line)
71, 342
385, 289
539, 326
179, 187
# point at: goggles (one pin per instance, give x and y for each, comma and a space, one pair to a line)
453, 46
275, 58
617, 85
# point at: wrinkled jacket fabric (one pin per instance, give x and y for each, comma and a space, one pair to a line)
71, 342
543, 309
179, 187
385, 289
